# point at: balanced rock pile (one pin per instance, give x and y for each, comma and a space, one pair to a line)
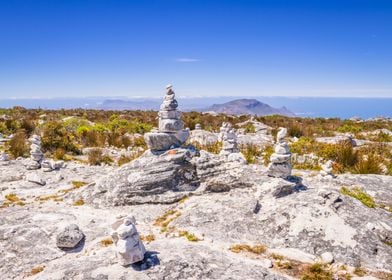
327, 169
36, 155
280, 165
129, 247
171, 133
230, 149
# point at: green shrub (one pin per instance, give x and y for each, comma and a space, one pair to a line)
17, 146
360, 195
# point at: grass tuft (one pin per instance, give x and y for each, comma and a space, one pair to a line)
360, 195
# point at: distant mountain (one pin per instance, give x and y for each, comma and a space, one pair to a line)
248, 107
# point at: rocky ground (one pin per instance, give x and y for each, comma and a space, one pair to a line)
191, 211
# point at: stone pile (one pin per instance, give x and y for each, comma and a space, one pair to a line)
129, 247
36, 155
327, 169
280, 165
171, 133
198, 126
3, 157
230, 149
228, 137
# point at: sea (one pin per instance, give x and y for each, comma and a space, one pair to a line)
325, 107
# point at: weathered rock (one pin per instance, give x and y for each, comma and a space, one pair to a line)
327, 257
35, 178
129, 247
69, 237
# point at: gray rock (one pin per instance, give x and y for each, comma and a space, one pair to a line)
69, 237
35, 178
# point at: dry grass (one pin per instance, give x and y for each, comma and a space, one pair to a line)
148, 238
317, 271
78, 202
37, 270
78, 184
360, 195
256, 249
106, 242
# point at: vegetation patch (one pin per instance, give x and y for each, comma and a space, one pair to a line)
148, 238
37, 270
190, 236
360, 195
317, 271
106, 242
255, 249
78, 202
78, 184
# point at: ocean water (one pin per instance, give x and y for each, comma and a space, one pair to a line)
333, 107
301, 106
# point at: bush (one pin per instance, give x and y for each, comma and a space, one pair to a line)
95, 157
368, 164
17, 145
59, 154
55, 136
251, 152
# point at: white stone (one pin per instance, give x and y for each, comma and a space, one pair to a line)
129, 247
281, 134
327, 257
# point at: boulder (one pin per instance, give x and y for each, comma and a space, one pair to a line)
69, 237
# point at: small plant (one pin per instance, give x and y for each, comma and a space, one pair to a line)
148, 238
190, 236
359, 271
164, 220
249, 128
317, 271
78, 202
123, 160
360, 195
59, 154
277, 257
95, 157
251, 152
106, 242
256, 249
37, 270
17, 145
78, 184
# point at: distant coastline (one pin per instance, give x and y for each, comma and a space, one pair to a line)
327, 107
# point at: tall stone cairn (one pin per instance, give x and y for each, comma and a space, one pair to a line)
36, 155
280, 165
171, 132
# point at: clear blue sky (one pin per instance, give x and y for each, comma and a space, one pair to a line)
134, 48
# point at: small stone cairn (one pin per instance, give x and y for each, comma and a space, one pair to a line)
129, 247
327, 169
36, 155
280, 165
171, 132
197, 126
230, 150
228, 137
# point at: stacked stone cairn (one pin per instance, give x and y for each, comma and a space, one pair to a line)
129, 247
327, 169
36, 155
280, 166
198, 126
228, 137
171, 133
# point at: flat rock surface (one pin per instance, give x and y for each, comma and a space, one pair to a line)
313, 219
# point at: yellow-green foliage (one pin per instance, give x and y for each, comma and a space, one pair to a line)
360, 271
359, 194
317, 271
78, 184
251, 152
17, 146
166, 218
214, 148
268, 151
256, 249
190, 236
249, 128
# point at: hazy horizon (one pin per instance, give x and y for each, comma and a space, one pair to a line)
209, 48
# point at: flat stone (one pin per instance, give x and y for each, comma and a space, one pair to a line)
169, 114
170, 125
35, 178
279, 170
161, 141
282, 149
277, 158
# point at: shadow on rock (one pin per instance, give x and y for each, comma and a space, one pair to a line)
150, 260
293, 184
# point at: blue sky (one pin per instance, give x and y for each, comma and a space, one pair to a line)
211, 48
